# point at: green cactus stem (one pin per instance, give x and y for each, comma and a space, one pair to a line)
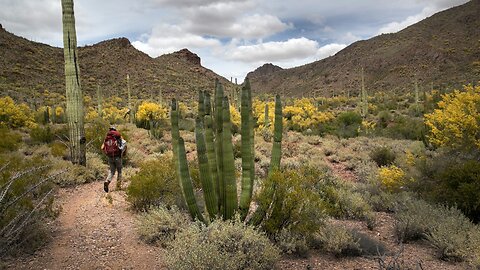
277, 136
206, 178
229, 180
218, 143
187, 186
74, 95
247, 155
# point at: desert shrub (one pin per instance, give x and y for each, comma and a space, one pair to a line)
296, 205
41, 134
186, 124
337, 240
95, 132
459, 185
455, 123
75, 174
415, 219
292, 243
26, 198
58, 149
384, 119
454, 236
10, 140
446, 228
404, 127
348, 124
222, 245
160, 224
392, 178
349, 204
96, 166
154, 185
15, 115
383, 156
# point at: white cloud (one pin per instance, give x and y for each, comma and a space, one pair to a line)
169, 38
189, 3
274, 51
433, 7
38, 20
397, 26
329, 50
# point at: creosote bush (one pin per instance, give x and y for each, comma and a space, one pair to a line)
225, 245
383, 156
10, 140
160, 224
297, 204
41, 134
154, 185
455, 237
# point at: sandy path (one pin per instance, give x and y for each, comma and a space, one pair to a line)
94, 231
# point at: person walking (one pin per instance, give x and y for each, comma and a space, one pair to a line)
114, 147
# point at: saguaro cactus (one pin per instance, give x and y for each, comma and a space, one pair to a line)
132, 115
215, 154
74, 96
364, 98
99, 101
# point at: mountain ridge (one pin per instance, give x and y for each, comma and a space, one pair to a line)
442, 50
29, 68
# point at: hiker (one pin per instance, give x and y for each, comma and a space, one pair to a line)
114, 146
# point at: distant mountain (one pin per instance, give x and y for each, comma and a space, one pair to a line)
28, 68
264, 70
442, 50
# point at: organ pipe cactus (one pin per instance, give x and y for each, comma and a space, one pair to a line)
215, 154
74, 96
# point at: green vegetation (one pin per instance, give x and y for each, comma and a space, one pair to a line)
221, 245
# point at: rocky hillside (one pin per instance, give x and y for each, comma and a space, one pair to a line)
440, 51
28, 68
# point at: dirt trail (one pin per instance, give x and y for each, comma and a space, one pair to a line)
93, 231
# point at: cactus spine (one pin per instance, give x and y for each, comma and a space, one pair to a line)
215, 154
74, 96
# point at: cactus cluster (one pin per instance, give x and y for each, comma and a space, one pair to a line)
215, 154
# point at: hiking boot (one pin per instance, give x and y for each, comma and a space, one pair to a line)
119, 185
105, 186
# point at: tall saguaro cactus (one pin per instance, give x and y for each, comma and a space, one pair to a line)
99, 101
215, 154
130, 109
364, 97
75, 113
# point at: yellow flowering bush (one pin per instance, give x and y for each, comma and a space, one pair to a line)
391, 177
456, 122
114, 114
410, 158
91, 114
234, 116
151, 111
368, 126
15, 115
304, 114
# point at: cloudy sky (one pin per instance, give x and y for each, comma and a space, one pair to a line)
232, 37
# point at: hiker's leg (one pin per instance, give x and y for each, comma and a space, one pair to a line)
111, 172
118, 165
